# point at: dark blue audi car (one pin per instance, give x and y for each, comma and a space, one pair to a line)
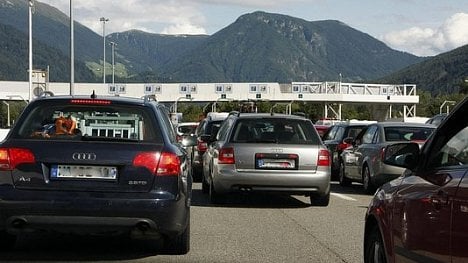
97, 165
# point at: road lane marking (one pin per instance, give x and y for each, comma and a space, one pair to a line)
342, 196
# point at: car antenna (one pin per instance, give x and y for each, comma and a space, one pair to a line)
93, 95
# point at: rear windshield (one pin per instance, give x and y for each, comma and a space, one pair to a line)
288, 131
89, 122
407, 133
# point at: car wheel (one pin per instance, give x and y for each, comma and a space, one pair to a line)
215, 198
369, 187
344, 181
374, 251
205, 187
180, 245
7, 241
320, 200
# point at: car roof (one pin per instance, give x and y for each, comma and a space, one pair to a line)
117, 99
268, 116
404, 124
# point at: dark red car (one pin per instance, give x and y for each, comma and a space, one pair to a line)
422, 216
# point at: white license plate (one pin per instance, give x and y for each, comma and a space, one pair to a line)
83, 172
276, 163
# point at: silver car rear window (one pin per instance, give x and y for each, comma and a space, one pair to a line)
274, 130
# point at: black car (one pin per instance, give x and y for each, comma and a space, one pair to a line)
95, 165
338, 138
207, 129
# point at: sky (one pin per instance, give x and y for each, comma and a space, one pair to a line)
420, 27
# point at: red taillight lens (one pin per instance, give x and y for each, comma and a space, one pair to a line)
202, 146
12, 157
323, 158
226, 156
90, 101
160, 164
342, 146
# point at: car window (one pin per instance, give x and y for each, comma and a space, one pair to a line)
274, 130
330, 135
454, 152
223, 130
340, 132
354, 131
406, 133
76, 122
168, 124
369, 134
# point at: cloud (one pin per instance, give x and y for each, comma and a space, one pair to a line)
451, 34
172, 16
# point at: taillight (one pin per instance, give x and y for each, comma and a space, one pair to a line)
12, 157
323, 158
160, 164
226, 156
342, 146
90, 101
202, 146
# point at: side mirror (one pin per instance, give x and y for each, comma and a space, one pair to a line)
189, 140
404, 155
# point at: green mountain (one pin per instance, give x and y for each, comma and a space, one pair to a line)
270, 47
14, 58
256, 47
442, 74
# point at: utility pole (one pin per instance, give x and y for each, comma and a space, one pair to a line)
72, 51
113, 44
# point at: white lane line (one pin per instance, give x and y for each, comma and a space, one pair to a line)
342, 196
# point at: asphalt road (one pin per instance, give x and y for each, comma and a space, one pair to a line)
248, 228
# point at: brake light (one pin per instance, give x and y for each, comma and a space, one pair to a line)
10, 158
226, 156
160, 164
323, 158
202, 146
90, 101
342, 146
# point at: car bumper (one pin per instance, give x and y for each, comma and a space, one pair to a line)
139, 214
290, 182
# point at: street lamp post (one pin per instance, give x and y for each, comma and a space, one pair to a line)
31, 6
104, 20
72, 51
113, 61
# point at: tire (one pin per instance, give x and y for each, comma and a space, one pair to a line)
320, 200
367, 183
215, 198
205, 187
344, 181
374, 251
7, 241
179, 245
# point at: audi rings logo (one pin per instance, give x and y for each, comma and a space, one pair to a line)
84, 156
